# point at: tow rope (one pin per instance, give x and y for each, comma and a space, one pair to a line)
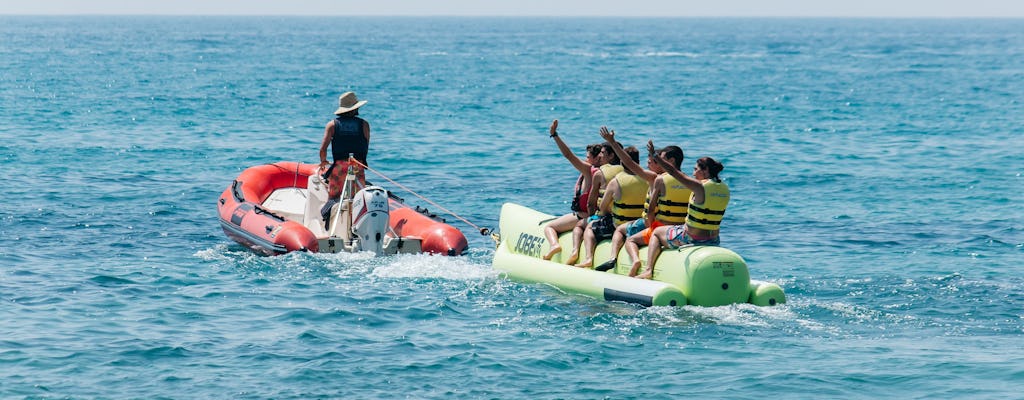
483, 231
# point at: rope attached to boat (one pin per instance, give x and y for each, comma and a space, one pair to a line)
483, 231
295, 180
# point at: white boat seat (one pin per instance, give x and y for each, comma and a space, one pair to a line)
287, 202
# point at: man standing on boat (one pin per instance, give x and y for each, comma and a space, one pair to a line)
346, 134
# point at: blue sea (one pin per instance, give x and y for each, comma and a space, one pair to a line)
875, 164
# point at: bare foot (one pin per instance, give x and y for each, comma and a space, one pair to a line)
552, 252
572, 258
585, 264
635, 269
648, 274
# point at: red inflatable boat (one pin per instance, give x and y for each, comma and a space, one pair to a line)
275, 209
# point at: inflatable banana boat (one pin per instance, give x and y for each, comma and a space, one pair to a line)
276, 208
695, 275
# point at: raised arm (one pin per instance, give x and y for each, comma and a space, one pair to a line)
596, 181
688, 181
610, 193
625, 159
580, 165
653, 194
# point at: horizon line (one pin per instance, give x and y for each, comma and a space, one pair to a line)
823, 16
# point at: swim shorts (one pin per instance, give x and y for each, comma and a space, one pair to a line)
635, 227
603, 228
678, 237
650, 231
336, 178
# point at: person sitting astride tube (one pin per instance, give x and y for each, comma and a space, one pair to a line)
622, 202
610, 167
628, 229
704, 215
599, 181
666, 205
345, 134
581, 193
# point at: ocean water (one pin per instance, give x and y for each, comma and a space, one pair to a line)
876, 168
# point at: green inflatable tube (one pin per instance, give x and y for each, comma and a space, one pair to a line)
696, 275
610, 287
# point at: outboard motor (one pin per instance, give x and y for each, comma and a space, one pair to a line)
370, 219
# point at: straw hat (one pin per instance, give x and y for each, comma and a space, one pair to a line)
348, 102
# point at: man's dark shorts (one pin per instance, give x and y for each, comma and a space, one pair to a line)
603, 228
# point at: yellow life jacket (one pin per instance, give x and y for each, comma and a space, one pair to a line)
633, 192
708, 216
609, 171
673, 203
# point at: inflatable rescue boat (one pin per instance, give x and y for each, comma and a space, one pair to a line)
696, 275
276, 208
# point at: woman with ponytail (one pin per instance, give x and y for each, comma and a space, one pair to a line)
703, 216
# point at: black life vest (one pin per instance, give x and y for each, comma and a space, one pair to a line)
349, 137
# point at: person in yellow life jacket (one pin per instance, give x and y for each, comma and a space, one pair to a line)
667, 204
580, 211
611, 167
622, 201
635, 230
599, 181
704, 216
